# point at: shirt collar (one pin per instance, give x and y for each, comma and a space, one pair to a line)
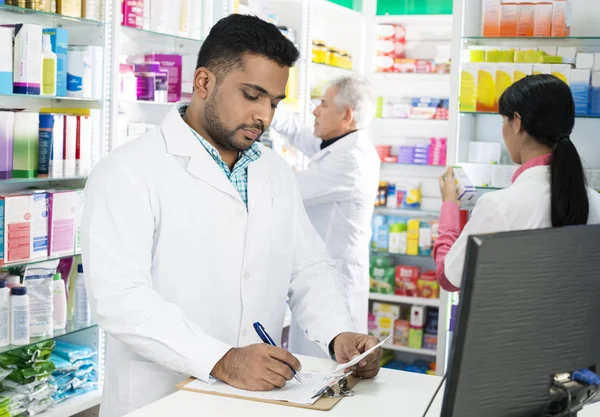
250, 155
542, 160
330, 142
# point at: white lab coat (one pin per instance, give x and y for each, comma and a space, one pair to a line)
522, 206
177, 270
339, 189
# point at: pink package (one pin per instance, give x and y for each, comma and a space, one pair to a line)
172, 64
133, 13
62, 208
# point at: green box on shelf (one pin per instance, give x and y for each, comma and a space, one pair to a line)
413, 7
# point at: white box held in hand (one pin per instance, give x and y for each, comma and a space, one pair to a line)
466, 190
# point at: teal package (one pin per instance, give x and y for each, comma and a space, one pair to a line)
59, 38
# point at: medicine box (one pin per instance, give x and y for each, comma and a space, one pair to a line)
16, 222
466, 190
62, 216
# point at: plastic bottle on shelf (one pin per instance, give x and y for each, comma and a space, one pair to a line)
13, 281
19, 316
82, 307
60, 303
4, 314
48, 68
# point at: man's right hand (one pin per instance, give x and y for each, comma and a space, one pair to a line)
259, 367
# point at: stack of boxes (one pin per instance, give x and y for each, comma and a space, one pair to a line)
415, 327
516, 18
37, 224
433, 108
390, 47
492, 70
415, 152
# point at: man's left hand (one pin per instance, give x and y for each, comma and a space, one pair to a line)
347, 346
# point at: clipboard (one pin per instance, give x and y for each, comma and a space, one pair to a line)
322, 404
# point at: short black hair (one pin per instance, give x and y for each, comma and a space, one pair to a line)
236, 35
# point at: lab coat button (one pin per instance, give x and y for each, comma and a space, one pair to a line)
247, 276
244, 332
240, 213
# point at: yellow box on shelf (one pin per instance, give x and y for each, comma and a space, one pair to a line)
486, 88
504, 78
468, 88
477, 54
493, 55
521, 71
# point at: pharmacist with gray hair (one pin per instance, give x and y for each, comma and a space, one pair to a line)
339, 186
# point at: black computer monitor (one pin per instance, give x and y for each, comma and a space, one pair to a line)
529, 309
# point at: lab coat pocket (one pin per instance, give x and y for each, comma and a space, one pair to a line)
149, 382
281, 225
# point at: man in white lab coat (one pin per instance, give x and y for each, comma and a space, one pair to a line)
194, 232
339, 186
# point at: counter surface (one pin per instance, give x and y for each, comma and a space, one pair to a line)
392, 393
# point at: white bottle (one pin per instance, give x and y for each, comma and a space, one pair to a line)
48, 68
59, 314
82, 307
19, 316
4, 314
13, 281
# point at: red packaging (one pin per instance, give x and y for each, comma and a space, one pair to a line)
406, 280
423, 66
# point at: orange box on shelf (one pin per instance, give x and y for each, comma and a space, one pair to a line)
401, 332
509, 16
561, 18
526, 19
427, 285
542, 26
491, 18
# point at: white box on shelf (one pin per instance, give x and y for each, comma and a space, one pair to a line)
596, 61
568, 54
584, 61
479, 174
484, 152
502, 175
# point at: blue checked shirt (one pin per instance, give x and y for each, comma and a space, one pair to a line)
239, 175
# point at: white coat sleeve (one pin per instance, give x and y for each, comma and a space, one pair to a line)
331, 182
317, 295
117, 245
299, 135
485, 218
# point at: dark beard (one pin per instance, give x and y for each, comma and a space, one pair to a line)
219, 133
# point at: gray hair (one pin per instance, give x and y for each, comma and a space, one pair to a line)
354, 92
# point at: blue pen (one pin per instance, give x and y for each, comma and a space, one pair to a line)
264, 336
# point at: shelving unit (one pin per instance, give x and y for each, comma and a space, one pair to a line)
466, 127
424, 33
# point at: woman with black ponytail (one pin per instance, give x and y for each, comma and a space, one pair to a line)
549, 188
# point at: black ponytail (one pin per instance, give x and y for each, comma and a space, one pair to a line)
547, 112
569, 203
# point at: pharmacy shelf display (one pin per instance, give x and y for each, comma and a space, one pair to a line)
327, 50
489, 53
75, 115
407, 61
